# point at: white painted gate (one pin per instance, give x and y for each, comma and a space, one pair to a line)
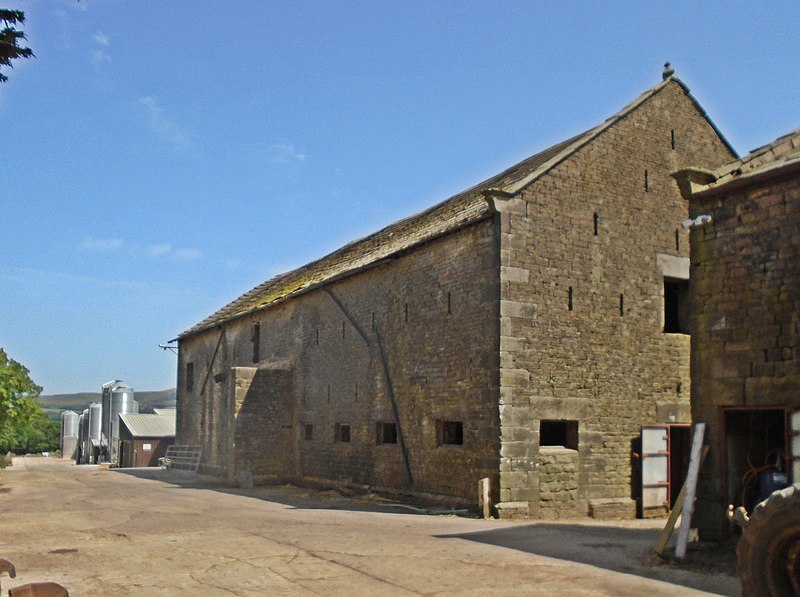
655, 469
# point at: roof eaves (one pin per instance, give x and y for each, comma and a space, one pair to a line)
772, 170
259, 297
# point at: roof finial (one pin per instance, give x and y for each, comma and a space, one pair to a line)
668, 71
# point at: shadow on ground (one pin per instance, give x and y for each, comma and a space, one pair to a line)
708, 567
296, 497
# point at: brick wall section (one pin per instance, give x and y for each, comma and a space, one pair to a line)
421, 329
746, 317
611, 372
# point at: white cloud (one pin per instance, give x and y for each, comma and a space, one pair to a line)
101, 245
159, 250
163, 125
100, 55
175, 254
285, 153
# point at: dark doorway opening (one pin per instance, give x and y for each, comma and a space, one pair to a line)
755, 454
680, 443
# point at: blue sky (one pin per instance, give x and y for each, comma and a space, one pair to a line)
162, 158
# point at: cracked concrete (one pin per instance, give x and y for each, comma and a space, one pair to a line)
151, 532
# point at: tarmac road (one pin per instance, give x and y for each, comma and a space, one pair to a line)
152, 532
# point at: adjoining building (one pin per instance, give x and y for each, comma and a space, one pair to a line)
144, 438
745, 322
524, 331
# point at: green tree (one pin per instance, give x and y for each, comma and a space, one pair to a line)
10, 38
24, 426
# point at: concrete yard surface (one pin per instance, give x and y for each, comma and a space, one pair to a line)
151, 532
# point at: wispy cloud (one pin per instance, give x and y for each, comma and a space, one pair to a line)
42, 279
187, 254
100, 53
285, 153
159, 250
101, 245
176, 254
164, 126
156, 251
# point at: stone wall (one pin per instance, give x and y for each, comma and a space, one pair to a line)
411, 343
746, 317
558, 483
582, 281
549, 313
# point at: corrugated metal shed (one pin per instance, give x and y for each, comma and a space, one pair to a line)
145, 425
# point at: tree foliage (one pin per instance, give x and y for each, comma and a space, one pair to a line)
10, 39
24, 426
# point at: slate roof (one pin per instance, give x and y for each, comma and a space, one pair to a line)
465, 208
766, 160
145, 425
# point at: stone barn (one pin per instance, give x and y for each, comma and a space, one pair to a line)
745, 322
524, 331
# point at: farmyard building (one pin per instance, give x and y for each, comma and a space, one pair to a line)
524, 331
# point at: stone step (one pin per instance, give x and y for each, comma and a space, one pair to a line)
612, 508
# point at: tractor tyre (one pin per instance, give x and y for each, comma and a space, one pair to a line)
768, 554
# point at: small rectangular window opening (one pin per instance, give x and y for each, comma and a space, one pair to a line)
449, 433
189, 377
596, 223
559, 433
386, 433
676, 306
646, 181
569, 299
342, 433
316, 333
677, 240
405, 312
673, 138
622, 304
308, 432
449, 304
256, 340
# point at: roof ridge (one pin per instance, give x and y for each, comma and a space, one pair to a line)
591, 134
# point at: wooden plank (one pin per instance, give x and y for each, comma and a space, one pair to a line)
676, 511
682, 540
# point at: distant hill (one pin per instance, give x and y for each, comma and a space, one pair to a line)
54, 403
